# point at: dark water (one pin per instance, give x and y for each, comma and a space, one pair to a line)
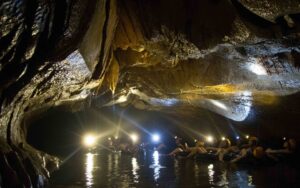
105, 169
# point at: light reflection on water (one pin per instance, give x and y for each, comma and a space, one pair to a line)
119, 170
156, 166
211, 173
135, 168
244, 179
89, 169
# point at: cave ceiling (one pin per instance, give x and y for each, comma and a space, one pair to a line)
224, 56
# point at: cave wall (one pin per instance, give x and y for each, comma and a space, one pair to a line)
41, 67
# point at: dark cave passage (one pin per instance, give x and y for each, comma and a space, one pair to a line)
60, 132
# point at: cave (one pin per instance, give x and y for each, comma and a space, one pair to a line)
203, 71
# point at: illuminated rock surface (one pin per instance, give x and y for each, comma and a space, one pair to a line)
224, 56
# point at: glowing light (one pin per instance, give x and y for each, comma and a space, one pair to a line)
116, 137
134, 137
89, 140
195, 140
247, 136
155, 138
223, 138
175, 137
109, 138
218, 104
257, 69
237, 137
284, 138
209, 139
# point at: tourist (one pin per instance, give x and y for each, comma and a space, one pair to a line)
249, 151
289, 148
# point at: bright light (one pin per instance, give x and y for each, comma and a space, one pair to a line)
116, 137
284, 138
247, 136
237, 137
134, 137
89, 140
209, 139
175, 137
109, 138
257, 69
155, 138
223, 138
218, 104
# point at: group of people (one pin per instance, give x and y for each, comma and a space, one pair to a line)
242, 151
246, 150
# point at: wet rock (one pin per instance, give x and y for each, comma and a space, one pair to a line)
16, 163
272, 9
37, 178
9, 175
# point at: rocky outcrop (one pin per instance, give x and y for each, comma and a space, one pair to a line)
221, 55
224, 56
41, 68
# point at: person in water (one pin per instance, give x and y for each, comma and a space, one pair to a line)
181, 147
198, 149
289, 148
224, 148
250, 150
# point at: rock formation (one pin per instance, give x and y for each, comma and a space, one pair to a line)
219, 55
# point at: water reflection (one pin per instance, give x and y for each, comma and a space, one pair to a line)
243, 179
220, 175
89, 164
196, 173
128, 171
211, 173
135, 168
155, 165
250, 180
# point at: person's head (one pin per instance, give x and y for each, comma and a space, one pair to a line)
200, 143
258, 152
253, 141
178, 140
225, 143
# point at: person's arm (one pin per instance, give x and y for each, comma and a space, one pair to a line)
278, 151
271, 156
212, 148
242, 155
175, 151
193, 152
